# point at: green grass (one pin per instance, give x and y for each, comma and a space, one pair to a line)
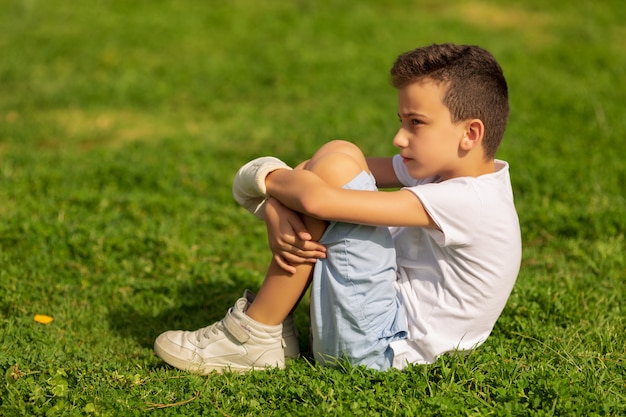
123, 122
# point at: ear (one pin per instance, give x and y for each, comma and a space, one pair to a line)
474, 133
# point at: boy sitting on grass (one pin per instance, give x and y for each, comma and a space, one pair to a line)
398, 277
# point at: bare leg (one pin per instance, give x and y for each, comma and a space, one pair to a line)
337, 163
280, 291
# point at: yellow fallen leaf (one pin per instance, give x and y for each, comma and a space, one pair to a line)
43, 319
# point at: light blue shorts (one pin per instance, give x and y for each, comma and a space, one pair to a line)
355, 313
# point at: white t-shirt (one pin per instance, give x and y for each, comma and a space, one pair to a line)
454, 283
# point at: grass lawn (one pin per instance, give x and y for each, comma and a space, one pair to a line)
123, 122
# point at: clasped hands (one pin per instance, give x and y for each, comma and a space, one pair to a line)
289, 240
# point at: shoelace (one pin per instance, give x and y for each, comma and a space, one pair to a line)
206, 332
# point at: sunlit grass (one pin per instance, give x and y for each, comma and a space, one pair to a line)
122, 124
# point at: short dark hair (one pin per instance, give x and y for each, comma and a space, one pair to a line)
476, 87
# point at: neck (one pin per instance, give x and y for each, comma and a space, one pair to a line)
482, 167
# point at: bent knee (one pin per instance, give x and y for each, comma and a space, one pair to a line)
343, 147
336, 169
338, 162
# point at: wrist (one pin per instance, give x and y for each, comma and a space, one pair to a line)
249, 188
268, 182
266, 166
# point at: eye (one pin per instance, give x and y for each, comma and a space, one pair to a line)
416, 122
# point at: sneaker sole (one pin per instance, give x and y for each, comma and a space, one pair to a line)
206, 368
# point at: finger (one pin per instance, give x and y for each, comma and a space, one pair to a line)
306, 236
299, 255
313, 246
299, 228
300, 247
284, 265
293, 259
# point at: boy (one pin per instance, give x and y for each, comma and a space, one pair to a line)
402, 276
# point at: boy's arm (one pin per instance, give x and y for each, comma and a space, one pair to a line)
305, 192
382, 169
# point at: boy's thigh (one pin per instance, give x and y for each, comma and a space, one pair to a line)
355, 312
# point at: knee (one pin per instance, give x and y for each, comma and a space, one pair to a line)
342, 147
335, 168
341, 150
337, 162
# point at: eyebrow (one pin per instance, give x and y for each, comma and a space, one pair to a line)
411, 114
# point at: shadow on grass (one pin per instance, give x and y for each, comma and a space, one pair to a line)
196, 306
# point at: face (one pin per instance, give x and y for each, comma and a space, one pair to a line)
428, 140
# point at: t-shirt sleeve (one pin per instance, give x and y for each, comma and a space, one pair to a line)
455, 207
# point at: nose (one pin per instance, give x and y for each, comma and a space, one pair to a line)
400, 139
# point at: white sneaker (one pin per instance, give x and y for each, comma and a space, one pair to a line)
236, 343
290, 333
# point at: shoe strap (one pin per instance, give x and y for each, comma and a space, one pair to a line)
235, 327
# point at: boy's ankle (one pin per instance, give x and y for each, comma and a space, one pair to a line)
258, 314
289, 333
